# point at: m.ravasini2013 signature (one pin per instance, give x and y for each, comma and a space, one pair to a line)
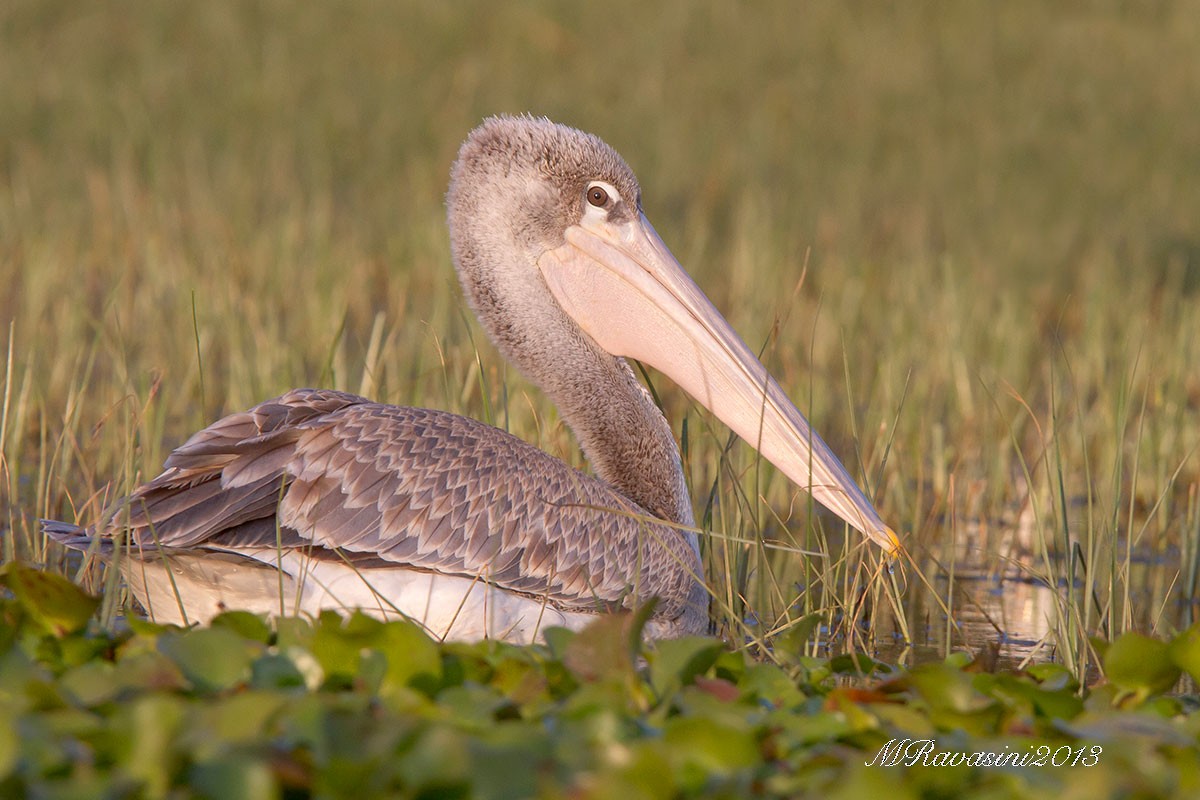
911, 752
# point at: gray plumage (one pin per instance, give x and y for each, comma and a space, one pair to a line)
320, 499
377, 486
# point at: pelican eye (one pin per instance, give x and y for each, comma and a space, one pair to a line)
597, 196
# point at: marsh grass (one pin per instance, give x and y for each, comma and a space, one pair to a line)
993, 209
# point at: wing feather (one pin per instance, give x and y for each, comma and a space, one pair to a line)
415, 487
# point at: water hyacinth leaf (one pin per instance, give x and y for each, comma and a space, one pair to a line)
557, 639
771, 685
72, 723
947, 688
718, 688
1140, 666
79, 649
413, 658
92, 683
1053, 677
58, 605
148, 629
247, 625
638, 775
676, 662
793, 642
798, 730
438, 762
1139, 732
523, 682
1185, 651
733, 664
10, 620
509, 760
231, 723
372, 668
304, 725
339, 642
1025, 695
464, 662
146, 731
276, 671
212, 659
608, 648
293, 632
959, 659
10, 744
850, 703
473, 705
705, 747
862, 781
236, 778
953, 700
903, 718
855, 664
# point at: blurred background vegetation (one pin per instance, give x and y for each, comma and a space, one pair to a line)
966, 233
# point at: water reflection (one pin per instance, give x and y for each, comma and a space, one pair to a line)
1005, 616
1020, 609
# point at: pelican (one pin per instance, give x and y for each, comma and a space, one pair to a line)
320, 499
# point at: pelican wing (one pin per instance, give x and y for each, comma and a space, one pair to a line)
347, 478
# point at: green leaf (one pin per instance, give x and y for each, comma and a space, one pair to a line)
54, 602
437, 760
1058, 704
771, 684
213, 659
947, 688
608, 648
558, 639
413, 659
241, 718
855, 664
339, 642
293, 632
146, 732
791, 643
150, 630
1053, 677
276, 671
954, 701
1140, 665
10, 742
92, 683
236, 778
247, 625
677, 662
1184, 651
508, 760
704, 747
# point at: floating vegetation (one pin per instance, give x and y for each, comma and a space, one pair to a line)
973, 259
354, 707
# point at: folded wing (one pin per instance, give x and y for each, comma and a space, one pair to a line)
342, 477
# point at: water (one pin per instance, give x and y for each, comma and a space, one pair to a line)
1005, 617
1017, 610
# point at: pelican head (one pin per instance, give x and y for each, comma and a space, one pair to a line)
569, 278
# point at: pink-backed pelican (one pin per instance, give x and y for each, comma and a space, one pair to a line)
320, 499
